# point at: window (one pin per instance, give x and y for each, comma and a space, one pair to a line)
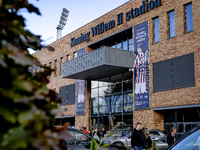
130, 44
113, 45
106, 95
156, 30
55, 68
68, 57
190, 141
78, 139
188, 18
50, 68
174, 73
61, 61
171, 24
119, 45
125, 44
75, 54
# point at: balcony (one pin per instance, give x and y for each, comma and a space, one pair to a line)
100, 63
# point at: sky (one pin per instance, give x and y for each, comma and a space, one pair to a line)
81, 12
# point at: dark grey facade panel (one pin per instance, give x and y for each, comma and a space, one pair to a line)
183, 71
68, 94
71, 94
162, 76
103, 58
178, 72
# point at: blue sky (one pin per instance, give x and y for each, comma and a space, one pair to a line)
81, 12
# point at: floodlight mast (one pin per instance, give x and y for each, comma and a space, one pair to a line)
62, 22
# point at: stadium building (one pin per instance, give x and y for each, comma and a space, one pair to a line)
138, 62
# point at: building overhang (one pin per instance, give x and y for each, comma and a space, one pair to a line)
70, 116
176, 107
100, 63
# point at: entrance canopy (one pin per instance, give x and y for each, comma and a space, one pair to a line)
102, 62
176, 107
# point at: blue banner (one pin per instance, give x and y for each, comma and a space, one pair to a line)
128, 102
141, 66
80, 90
81, 52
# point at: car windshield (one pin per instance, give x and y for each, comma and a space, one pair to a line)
78, 138
192, 142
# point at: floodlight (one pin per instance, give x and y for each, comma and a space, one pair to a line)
62, 22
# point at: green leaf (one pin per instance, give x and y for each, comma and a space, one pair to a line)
7, 114
16, 138
25, 117
93, 144
105, 145
110, 134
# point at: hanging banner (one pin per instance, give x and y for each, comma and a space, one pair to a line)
80, 90
141, 66
128, 102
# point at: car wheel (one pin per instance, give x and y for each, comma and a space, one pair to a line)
118, 144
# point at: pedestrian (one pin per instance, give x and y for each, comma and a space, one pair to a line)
90, 133
93, 131
171, 137
84, 130
96, 131
136, 138
146, 140
103, 132
96, 137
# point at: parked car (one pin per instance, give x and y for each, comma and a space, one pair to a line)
81, 141
161, 143
126, 140
189, 141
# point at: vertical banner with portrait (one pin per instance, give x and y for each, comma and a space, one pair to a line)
80, 90
141, 66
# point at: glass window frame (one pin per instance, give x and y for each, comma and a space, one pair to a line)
61, 61
170, 22
75, 54
67, 57
123, 104
154, 30
185, 17
130, 44
55, 68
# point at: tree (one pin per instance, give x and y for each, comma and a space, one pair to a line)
27, 107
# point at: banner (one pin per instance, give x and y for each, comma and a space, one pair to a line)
141, 66
80, 90
128, 102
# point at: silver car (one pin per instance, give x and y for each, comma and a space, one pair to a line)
126, 140
161, 144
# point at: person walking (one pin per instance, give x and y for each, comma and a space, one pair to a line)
90, 133
103, 132
136, 138
96, 137
84, 130
96, 131
171, 137
146, 140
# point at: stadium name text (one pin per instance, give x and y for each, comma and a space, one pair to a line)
103, 27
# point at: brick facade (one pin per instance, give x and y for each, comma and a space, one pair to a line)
183, 43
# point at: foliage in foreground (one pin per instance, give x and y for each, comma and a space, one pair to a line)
27, 107
94, 145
